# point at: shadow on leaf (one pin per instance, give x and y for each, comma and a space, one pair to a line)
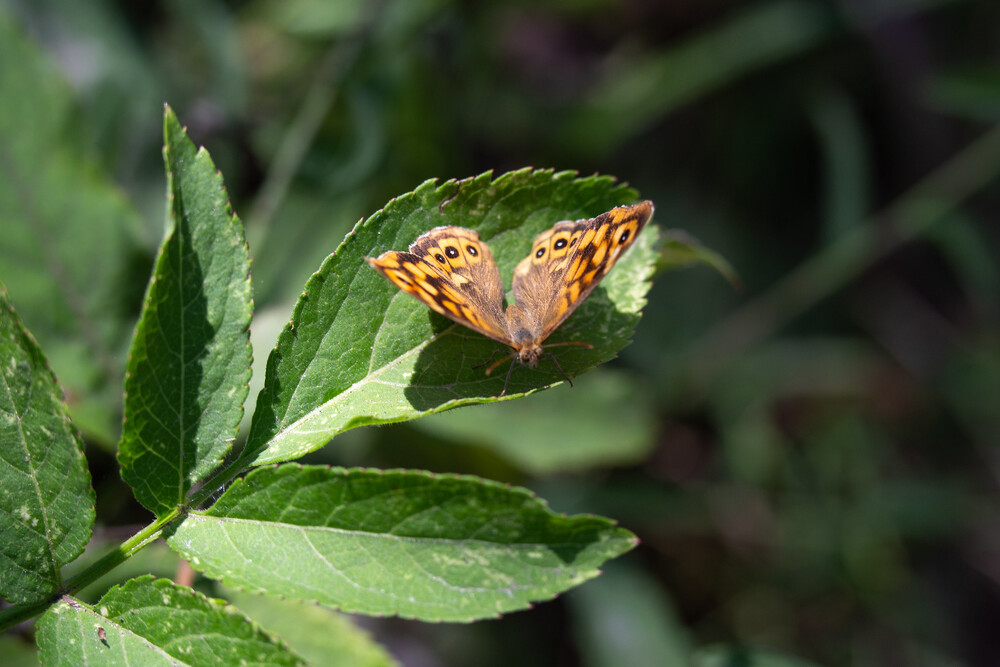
452, 366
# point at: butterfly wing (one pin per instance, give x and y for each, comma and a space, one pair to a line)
569, 260
451, 271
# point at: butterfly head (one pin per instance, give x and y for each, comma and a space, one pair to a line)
527, 349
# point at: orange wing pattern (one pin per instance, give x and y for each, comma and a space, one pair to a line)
569, 260
451, 271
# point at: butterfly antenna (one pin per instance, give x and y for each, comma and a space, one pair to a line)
575, 343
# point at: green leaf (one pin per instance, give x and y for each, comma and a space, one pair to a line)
190, 359
564, 429
359, 352
71, 242
313, 632
46, 502
680, 249
413, 544
149, 621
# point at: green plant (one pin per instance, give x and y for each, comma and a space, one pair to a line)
809, 461
356, 353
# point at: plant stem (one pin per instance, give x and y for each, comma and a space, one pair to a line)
18, 613
218, 481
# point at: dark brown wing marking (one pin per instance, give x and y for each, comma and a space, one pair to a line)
451, 271
569, 260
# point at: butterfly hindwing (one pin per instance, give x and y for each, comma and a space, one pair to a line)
451, 271
568, 261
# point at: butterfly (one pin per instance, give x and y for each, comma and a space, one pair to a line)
453, 272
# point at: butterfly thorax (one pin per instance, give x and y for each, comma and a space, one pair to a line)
521, 335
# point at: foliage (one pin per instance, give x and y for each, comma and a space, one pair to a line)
805, 449
407, 543
47, 509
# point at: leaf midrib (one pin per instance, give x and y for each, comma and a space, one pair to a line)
43, 508
408, 600
367, 379
518, 546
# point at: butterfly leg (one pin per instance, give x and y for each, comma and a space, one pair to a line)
574, 343
497, 363
558, 367
507, 380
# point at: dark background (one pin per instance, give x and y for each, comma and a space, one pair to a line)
819, 469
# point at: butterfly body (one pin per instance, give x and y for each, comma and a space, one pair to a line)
453, 272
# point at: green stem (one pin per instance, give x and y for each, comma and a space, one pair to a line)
18, 613
11, 616
218, 481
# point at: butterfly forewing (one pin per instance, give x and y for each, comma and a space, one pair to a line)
451, 271
569, 260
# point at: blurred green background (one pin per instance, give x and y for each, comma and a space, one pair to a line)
811, 460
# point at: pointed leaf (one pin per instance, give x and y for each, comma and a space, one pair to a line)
360, 352
680, 249
46, 501
58, 214
433, 547
190, 360
149, 621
